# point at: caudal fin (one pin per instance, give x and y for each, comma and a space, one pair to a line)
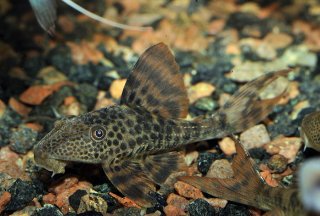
243, 188
245, 109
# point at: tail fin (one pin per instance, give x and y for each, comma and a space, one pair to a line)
244, 109
243, 188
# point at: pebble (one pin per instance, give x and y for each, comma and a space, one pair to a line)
2, 108
200, 207
254, 137
5, 197
173, 210
234, 209
51, 75
277, 163
220, 169
47, 210
227, 145
116, 88
191, 157
19, 107
200, 90
23, 139
205, 160
206, 104
286, 146
22, 193
187, 190
177, 201
278, 40
216, 202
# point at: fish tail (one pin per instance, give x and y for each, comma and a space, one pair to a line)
245, 109
244, 187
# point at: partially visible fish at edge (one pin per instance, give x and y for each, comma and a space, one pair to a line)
310, 130
135, 141
46, 14
248, 187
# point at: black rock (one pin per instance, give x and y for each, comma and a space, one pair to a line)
127, 211
75, 199
87, 95
60, 58
200, 207
8, 120
205, 160
259, 153
47, 210
90, 213
234, 210
23, 139
22, 193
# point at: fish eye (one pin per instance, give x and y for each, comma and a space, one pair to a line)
98, 133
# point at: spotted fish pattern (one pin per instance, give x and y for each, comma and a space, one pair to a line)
249, 188
310, 130
135, 140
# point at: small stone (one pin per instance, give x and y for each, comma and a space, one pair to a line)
278, 40
298, 107
267, 176
191, 157
22, 193
206, 104
227, 145
216, 202
278, 163
26, 211
51, 75
47, 210
116, 88
205, 160
88, 202
201, 207
286, 146
220, 169
5, 197
2, 108
23, 139
255, 137
200, 90
128, 211
234, 209
71, 107
187, 190
173, 210
177, 201
20, 108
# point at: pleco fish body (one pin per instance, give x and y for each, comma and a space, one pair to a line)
249, 188
310, 130
132, 140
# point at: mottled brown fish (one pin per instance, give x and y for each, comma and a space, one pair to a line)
46, 14
310, 130
132, 140
249, 188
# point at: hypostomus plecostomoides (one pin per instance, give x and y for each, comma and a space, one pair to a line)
310, 130
249, 188
132, 140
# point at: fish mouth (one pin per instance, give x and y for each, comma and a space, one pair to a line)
43, 160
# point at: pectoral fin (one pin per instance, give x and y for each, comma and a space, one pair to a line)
129, 179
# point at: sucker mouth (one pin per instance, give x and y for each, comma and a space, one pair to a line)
42, 160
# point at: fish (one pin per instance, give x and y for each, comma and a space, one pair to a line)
46, 15
136, 141
310, 130
249, 188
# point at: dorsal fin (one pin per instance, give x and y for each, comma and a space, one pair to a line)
156, 85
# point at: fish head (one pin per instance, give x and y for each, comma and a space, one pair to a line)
77, 139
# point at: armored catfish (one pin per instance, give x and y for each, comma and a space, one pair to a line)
134, 141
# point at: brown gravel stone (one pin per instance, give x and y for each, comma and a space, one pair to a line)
173, 211
116, 88
278, 163
278, 40
191, 157
255, 137
19, 107
199, 90
227, 145
4, 200
177, 201
187, 190
220, 169
2, 108
216, 202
